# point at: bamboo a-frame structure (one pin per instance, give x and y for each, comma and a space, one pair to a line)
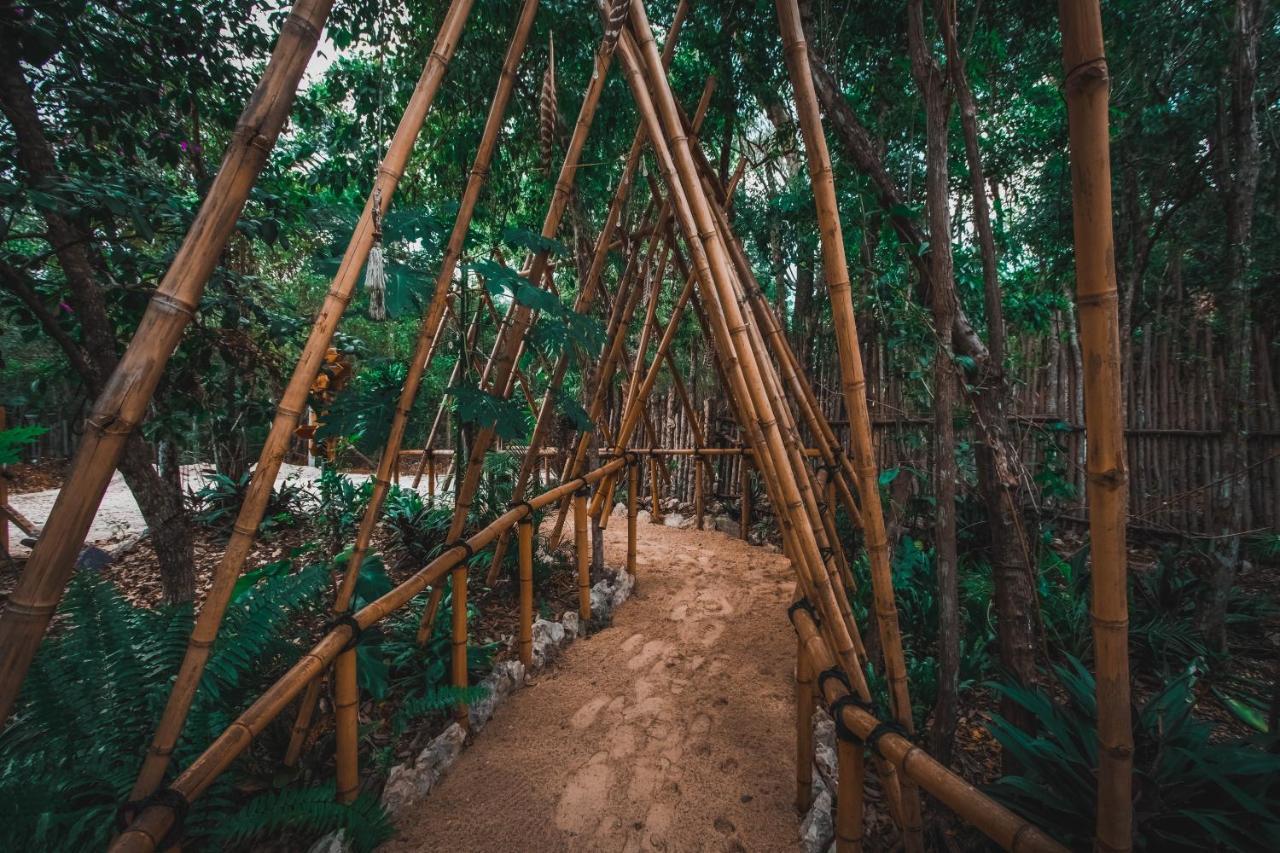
688, 229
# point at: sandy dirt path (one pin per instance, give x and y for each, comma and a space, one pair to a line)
673, 729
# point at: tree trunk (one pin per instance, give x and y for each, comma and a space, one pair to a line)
1238, 179
159, 500
1003, 491
929, 78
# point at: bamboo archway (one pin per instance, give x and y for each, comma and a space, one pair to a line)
760, 375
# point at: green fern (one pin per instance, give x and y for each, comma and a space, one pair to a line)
308, 811
70, 754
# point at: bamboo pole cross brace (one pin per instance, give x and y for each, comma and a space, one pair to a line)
158, 818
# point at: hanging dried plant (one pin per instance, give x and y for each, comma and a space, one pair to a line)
548, 113
615, 20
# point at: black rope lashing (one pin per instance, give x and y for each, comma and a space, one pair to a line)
518, 504
174, 800
350, 621
882, 729
802, 604
464, 544
632, 457
836, 710
833, 672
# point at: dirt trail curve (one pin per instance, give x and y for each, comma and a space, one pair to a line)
671, 730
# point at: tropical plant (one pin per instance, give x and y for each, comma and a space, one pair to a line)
341, 505
1193, 791
69, 756
217, 502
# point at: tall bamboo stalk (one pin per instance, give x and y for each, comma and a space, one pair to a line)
524, 547
852, 377
851, 775
633, 489
123, 402
292, 402
1087, 91
582, 556
804, 731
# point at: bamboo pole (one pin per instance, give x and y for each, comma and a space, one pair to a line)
655, 490
804, 731
998, 823
744, 505
1087, 90
524, 547
157, 818
633, 488
123, 402
853, 380
850, 795
507, 347
582, 553
292, 402
346, 724
458, 638
4, 499
699, 501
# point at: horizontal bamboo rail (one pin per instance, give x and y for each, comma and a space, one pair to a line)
998, 823
156, 820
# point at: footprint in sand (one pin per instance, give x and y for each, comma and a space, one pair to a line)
585, 716
652, 650
585, 796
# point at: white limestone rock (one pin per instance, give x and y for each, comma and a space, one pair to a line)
333, 842
817, 830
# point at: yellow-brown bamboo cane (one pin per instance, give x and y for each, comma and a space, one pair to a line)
582, 555
633, 512
123, 402
853, 381
850, 791
524, 547
507, 347
157, 818
245, 529
1087, 89
458, 636
804, 731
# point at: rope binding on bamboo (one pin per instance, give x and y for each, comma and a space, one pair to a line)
169, 798
351, 623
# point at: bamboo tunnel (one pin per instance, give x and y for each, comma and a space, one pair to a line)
122, 405
292, 402
156, 819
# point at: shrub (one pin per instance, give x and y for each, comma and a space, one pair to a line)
1191, 792
70, 754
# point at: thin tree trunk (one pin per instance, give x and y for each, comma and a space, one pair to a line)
159, 500
929, 77
1238, 178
